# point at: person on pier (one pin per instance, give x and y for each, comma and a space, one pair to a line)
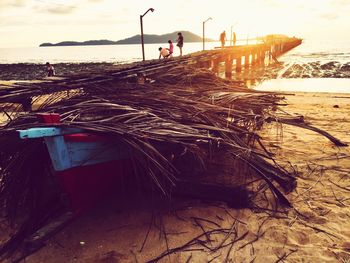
223, 38
180, 42
170, 49
163, 52
234, 38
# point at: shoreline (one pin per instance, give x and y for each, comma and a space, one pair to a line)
280, 70
34, 71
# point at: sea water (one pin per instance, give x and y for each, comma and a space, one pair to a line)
87, 54
315, 66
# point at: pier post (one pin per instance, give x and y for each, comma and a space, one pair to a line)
258, 57
228, 67
278, 49
253, 58
271, 52
262, 56
207, 64
215, 65
246, 61
238, 64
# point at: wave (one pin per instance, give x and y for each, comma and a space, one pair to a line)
317, 69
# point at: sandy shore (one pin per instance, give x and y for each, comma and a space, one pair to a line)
317, 229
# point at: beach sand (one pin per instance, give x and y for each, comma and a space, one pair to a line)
316, 229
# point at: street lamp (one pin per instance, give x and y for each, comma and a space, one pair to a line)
204, 31
142, 43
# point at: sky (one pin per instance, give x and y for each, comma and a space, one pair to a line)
28, 23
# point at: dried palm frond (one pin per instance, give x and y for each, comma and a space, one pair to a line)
184, 113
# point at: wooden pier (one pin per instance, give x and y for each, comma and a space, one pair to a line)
247, 56
234, 58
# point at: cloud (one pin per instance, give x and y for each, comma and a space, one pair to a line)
341, 2
57, 9
273, 3
329, 16
11, 3
61, 9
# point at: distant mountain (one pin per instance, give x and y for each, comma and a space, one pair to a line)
153, 39
85, 43
148, 39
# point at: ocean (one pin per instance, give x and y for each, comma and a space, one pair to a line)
91, 54
315, 66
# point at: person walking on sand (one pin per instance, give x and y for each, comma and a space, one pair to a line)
223, 38
171, 48
180, 42
163, 52
50, 70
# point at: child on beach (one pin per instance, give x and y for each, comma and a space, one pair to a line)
171, 48
163, 52
50, 70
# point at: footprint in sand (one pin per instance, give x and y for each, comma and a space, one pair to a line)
277, 236
300, 238
319, 220
313, 218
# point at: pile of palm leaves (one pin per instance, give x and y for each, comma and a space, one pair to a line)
183, 114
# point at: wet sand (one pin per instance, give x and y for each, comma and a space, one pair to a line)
320, 85
317, 229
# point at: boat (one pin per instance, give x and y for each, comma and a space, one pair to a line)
88, 166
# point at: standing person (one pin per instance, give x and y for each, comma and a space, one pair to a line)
163, 52
223, 38
180, 42
50, 70
171, 48
234, 38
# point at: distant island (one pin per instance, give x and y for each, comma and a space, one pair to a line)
148, 39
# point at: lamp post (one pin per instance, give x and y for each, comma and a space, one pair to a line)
142, 43
204, 31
